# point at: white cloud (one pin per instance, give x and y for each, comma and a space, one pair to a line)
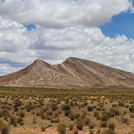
19, 47
62, 13
13, 43
6, 69
132, 6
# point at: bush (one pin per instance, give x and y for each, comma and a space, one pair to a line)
87, 121
90, 108
67, 113
96, 113
71, 126
76, 131
112, 126
92, 125
20, 120
104, 117
124, 120
114, 105
13, 121
132, 116
34, 120
22, 114
72, 116
91, 131
54, 107
80, 125
114, 112
55, 120
4, 129
120, 104
131, 109
43, 128
80, 122
103, 124
66, 107
109, 132
61, 128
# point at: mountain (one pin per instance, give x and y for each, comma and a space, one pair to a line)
73, 72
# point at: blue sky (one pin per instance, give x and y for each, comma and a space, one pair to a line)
30, 26
122, 24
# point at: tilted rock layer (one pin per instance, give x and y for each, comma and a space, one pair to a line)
73, 72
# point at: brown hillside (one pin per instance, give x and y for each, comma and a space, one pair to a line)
73, 72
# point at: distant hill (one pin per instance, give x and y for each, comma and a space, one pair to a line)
73, 72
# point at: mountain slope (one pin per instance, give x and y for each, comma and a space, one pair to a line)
40, 73
96, 74
73, 72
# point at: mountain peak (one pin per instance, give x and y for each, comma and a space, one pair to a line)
39, 62
72, 72
70, 59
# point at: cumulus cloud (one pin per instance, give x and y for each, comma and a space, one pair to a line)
20, 47
13, 43
63, 13
65, 33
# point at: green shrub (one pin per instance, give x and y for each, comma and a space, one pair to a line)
72, 116
114, 112
43, 128
13, 121
4, 129
22, 114
132, 116
67, 113
131, 109
80, 125
96, 113
77, 115
20, 120
71, 126
66, 107
80, 122
90, 108
103, 124
92, 125
76, 131
34, 120
54, 107
112, 126
49, 112
87, 121
91, 131
61, 128
114, 105
124, 120
109, 131
104, 117
55, 120
55, 115
121, 104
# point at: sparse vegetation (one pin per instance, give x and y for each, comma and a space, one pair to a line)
65, 111
4, 129
61, 128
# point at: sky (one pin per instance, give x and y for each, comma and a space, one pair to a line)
53, 30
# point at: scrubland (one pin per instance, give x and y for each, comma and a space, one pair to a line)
66, 111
